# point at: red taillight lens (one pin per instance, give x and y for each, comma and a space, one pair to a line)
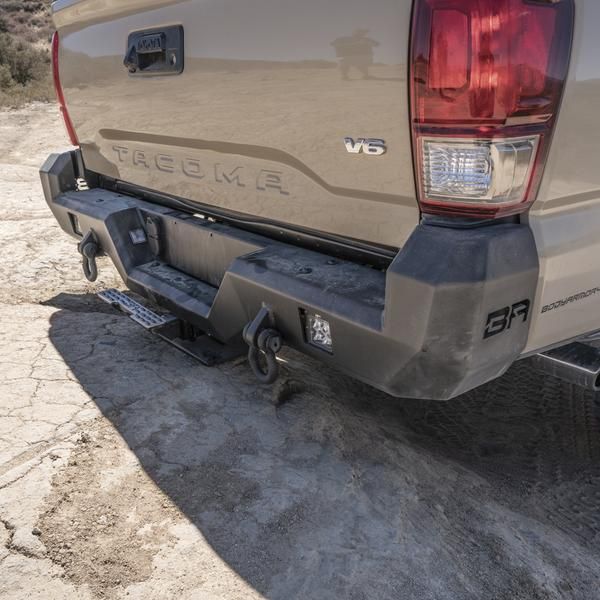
59, 91
487, 78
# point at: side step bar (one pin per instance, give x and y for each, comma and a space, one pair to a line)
577, 363
174, 331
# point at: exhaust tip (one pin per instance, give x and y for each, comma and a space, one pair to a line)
577, 363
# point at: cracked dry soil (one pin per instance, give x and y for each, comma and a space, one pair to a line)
82, 518
128, 471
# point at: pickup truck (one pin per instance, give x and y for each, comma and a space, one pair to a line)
405, 190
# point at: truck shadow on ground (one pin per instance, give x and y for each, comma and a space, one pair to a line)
343, 491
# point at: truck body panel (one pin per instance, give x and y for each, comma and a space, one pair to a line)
565, 219
256, 122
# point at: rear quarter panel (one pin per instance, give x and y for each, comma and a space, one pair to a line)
565, 219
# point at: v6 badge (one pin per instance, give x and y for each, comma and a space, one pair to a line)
370, 146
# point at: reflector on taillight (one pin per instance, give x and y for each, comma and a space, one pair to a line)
487, 78
59, 91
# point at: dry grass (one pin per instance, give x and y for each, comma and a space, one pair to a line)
35, 91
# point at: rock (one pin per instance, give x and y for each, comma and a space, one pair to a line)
4, 536
26, 543
4, 541
284, 389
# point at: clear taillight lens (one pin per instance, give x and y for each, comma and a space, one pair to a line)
470, 171
487, 78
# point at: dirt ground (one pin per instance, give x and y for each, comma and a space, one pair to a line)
129, 471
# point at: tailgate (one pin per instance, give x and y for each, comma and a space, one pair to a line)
256, 121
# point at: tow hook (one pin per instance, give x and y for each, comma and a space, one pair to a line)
264, 343
89, 250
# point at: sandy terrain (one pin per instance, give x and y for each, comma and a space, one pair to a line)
129, 471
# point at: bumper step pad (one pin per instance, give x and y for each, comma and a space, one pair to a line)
200, 346
143, 316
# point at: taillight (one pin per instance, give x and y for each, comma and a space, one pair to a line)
59, 91
487, 78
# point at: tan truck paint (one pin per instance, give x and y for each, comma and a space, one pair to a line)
256, 123
566, 216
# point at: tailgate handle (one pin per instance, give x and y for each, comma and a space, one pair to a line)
155, 52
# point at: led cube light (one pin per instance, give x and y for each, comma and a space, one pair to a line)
319, 332
494, 171
138, 236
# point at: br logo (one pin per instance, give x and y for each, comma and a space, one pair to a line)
503, 319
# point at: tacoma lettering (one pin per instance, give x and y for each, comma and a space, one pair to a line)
265, 180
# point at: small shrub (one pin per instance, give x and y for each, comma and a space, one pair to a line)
24, 72
6, 80
25, 62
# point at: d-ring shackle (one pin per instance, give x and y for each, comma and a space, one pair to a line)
264, 341
89, 250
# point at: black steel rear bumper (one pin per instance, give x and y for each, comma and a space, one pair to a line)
450, 313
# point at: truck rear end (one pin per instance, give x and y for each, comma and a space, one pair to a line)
367, 183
